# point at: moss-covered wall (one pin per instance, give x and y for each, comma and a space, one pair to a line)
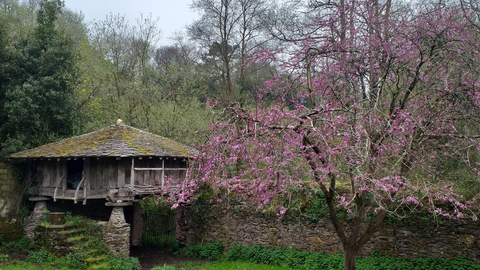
11, 193
416, 237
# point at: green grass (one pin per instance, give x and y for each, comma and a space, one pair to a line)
238, 265
21, 265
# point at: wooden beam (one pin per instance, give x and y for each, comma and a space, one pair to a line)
160, 169
163, 173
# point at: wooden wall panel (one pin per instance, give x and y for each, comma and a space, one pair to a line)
121, 172
86, 173
112, 173
128, 169
93, 174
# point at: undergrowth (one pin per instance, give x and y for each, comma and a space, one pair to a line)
21, 245
297, 259
208, 251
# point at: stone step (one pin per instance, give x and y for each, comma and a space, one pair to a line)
73, 231
76, 239
92, 252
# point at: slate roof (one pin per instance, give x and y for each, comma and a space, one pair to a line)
113, 141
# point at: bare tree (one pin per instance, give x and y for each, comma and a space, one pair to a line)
229, 31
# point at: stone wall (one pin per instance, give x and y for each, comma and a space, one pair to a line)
116, 233
11, 194
417, 238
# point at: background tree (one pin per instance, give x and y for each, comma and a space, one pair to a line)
125, 75
39, 102
229, 31
385, 89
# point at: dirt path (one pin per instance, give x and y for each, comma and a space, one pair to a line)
150, 257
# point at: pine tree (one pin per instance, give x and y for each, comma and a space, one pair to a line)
39, 97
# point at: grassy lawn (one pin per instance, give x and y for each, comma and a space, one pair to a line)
21, 265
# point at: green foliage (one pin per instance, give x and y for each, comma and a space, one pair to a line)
75, 261
467, 182
208, 251
21, 245
155, 205
223, 265
296, 259
22, 265
3, 257
39, 105
130, 263
41, 256
167, 267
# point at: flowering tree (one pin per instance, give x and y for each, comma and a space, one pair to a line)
386, 94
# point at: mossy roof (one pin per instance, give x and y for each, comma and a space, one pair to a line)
112, 141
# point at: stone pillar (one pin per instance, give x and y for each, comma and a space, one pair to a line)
38, 215
137, 224
182, 228
117, 231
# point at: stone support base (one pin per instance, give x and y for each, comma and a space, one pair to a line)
38, 215
116, 233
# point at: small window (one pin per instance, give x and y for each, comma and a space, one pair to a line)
74, 173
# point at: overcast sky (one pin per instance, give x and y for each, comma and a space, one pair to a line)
173, 14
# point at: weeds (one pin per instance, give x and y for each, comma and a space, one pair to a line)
41, 256
21, 245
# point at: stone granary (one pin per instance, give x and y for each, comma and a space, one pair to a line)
115, 166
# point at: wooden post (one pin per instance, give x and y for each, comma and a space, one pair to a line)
163, 173
86, 183
132, 172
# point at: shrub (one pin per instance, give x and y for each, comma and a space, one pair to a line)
21, 245
41, 256
3, 257
130, 263
75, 261
208, 251
297, 259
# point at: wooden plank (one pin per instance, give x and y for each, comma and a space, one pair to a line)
157, 178
160, 169
162, 184
61, 168
46, 173
50, 190
93, 173
139, 178
86, 170
121, 173
112, 173
103, 169
132, 173
148, 178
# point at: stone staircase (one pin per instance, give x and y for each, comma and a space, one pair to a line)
81, 239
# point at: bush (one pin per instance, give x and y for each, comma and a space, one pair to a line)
41, 256
3, 257
209, 251
297, 259
21, 245
75, 261
130, 263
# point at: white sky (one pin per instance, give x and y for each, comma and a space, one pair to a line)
173, 15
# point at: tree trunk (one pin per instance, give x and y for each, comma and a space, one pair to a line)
350, 258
